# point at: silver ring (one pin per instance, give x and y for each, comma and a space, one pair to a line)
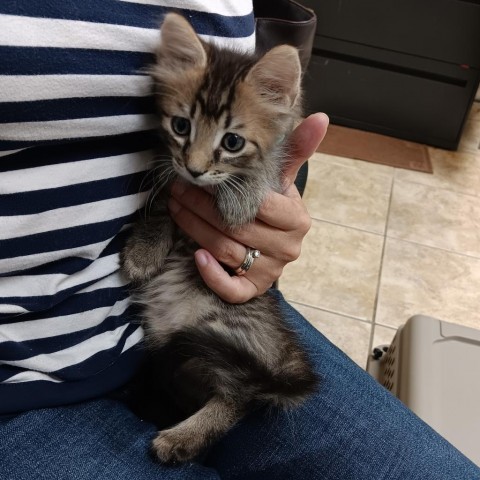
250, 257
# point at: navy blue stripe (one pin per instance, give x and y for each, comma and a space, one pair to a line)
30, 348
17, 397
28, 203
63, 239
64, 266
48, 301
15, 145
69, 266
80, 302
131, 14
113, 12
99, 360
69, 108
7, 371
74, 151
62, 61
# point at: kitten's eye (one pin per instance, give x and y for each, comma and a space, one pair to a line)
233, 142
181, 126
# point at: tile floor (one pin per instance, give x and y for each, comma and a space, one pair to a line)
387, 243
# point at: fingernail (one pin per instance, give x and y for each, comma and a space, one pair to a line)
173, 205
201, 258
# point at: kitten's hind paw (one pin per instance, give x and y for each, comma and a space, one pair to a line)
172, 447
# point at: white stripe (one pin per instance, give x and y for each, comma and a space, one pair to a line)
4, 153
71, 173
77, 128
12, 309
22, 88
16, 31
221, 7
78, 215
52, 327
242, 44
134, 339
51, 362
20, 31
89, 252
24, 286
117, 279
32, 376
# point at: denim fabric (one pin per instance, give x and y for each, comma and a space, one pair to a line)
351, 429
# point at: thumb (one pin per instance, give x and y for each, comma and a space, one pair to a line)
303, 143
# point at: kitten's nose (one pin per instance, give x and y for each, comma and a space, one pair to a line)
194, 173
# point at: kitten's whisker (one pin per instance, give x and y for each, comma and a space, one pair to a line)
231, 197
159, 183
237, 199
236, 183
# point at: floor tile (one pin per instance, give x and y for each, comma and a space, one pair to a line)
382, 335
431, 263
337, 271
421, 280
455, 171
349, 335
435, 217
348, 192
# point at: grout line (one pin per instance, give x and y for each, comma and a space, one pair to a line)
350, 317
433, 247
380, 271
346, 226
438, 187
383, 325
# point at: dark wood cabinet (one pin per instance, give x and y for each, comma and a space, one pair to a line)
405, 68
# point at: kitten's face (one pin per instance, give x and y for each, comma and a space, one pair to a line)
214, 140
222, 112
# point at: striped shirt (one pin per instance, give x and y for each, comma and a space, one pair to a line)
76, 137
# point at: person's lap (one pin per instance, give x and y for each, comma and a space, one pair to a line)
351, 429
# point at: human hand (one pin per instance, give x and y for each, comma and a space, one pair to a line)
278, 231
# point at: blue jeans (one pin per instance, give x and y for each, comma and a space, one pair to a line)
351, 429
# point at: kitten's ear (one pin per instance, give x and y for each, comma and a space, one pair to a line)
277, 74
180, 48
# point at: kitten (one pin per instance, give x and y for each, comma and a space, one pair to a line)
224, 116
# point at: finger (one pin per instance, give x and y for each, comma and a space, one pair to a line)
276, 250
231, 289
225, 249
272, 233
303, 143
228, 250
294, 215
198, 201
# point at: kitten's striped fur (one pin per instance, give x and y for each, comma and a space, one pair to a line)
218, 359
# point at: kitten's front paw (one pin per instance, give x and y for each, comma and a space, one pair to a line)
139, 262
135, 272
171, 447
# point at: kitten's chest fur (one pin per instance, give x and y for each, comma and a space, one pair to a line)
176, 297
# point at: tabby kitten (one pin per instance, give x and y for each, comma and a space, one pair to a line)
224, 116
